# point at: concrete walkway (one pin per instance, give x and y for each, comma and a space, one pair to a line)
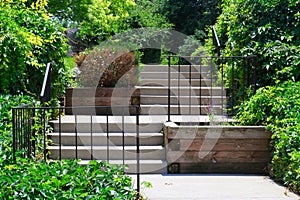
206, 187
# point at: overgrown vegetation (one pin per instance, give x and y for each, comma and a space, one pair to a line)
268, 29
31, 179
29, 40
64, 180
7, 102
277, 107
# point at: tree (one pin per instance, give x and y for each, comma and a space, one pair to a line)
192, 17
29, 39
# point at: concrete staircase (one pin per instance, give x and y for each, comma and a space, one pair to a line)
91, 141
194, 91
86, 137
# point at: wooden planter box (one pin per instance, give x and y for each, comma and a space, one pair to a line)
217, 149
95, 98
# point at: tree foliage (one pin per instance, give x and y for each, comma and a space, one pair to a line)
268, 29
99, 20
28, 40
192, 17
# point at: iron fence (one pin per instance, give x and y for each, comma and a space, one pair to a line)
39, 130
223, 84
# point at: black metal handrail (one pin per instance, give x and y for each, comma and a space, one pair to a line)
32, 127
215, 89
46, 88
216, 41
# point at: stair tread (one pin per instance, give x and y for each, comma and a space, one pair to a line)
104, 134
181, 105
175, 87
111, 148
129, 161
181, 96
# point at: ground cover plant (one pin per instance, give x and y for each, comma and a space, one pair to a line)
32, 179
64, 180
278, 108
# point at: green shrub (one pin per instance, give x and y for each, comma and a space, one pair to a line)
268, 29
29, 39
64, 180
108, 67
278, 108
7, 102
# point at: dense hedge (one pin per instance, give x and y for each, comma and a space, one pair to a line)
278, 108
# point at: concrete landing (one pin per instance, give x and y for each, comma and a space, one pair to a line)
214, 187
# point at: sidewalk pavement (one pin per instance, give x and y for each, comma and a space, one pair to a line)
214, 187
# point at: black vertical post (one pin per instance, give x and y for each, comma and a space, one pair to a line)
211, 85
14, 133
107, 135
169, 88
92, 142
222, 83
200, 88
33, 132
138, 149
232, 87
123, 137
244, 81
178, 85
190, 89
76, 137
44, 132
59, 132
29, 154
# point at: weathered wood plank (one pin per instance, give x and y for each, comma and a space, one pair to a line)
228, 168
219, 156
225, 144
200, 132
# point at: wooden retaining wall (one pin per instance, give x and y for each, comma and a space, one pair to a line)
217, 149
101, 97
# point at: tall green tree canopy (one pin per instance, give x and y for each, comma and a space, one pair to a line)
268, 29
98, 20
29, 39
192, 17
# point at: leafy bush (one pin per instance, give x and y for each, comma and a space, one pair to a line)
107, 67
268, 29
278, 108
64, 180
7, 102
29, 40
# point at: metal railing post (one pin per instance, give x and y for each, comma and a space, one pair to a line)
169, 88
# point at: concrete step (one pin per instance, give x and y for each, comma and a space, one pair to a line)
100, 152
182, 91
146, 166
181, 110
163, 99
114, 139
99, 124
182, 68
176, 82
175, 75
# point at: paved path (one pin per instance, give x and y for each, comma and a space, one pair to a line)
214, 187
